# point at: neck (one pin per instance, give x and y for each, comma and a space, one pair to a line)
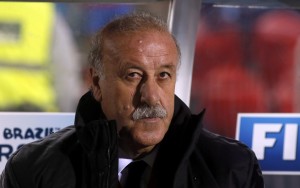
133, 151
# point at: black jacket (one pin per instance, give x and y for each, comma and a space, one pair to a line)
85, 156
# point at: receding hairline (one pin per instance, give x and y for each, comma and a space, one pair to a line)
126, 25
135, 22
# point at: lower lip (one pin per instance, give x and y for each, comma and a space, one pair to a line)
150, 120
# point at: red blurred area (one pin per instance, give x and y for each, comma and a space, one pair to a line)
275, 36
233, 75
217, 46
226, 91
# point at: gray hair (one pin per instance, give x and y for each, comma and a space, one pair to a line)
145, 111
127, 23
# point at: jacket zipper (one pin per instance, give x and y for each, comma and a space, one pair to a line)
108, 154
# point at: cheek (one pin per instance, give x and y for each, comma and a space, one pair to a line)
170, 107
117, 103
168, 99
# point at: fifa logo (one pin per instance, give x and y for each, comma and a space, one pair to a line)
275, 140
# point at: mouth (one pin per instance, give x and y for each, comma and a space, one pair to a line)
150, 119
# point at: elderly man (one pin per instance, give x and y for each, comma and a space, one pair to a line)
132, 126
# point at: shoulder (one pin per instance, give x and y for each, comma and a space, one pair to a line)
217, 148
54, 144
230, 162
229, 159
225, 150
43, 159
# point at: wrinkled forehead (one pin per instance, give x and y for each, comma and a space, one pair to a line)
137, 40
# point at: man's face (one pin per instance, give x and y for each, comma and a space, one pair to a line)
139, 69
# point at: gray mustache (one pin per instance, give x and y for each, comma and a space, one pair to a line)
146, 111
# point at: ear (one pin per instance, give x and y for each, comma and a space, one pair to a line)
96, 85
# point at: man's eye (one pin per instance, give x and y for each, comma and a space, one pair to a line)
164, 75
134, 75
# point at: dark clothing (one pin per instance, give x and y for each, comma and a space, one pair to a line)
86, 156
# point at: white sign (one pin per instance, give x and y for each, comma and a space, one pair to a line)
17, 129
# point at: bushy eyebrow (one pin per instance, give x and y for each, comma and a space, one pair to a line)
169, 66
123, 67
128, 65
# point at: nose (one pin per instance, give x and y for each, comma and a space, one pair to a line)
150, 92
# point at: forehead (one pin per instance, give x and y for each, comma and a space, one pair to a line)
148, 43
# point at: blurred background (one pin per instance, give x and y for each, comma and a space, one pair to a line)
245, 59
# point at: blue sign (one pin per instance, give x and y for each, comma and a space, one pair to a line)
275, 140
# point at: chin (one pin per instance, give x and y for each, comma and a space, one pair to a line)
149, 138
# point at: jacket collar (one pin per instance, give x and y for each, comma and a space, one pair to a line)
173, 152
88, 110
183, 131
176, 147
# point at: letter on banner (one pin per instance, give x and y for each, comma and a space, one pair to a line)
290, 141
260, 141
